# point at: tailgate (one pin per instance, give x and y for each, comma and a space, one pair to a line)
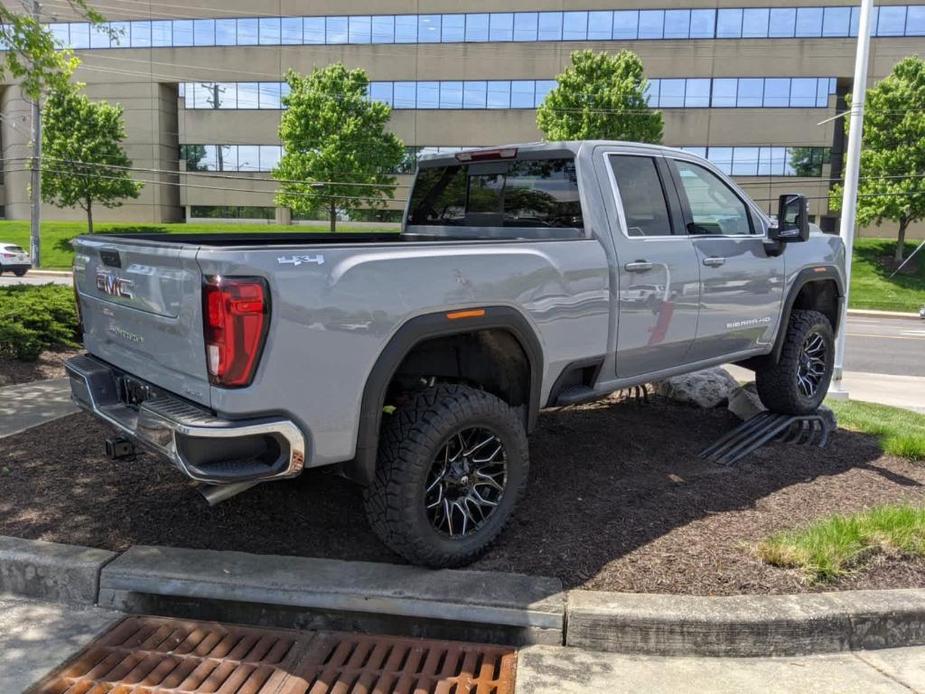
141, 304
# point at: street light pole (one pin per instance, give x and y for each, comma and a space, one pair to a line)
852, 168
35, 236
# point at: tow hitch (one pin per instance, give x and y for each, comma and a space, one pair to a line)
121, 448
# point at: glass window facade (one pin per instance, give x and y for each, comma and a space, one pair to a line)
578, 25
805, 162
739, 161
692, 92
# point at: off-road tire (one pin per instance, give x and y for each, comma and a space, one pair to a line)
777, 384
409, 441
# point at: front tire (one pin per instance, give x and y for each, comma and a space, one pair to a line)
452, 466
797, 384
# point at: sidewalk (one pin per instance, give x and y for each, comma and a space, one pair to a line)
35, 637
30, 404
907, 392
543, 669
899, 391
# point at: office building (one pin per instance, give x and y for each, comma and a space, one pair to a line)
752, 88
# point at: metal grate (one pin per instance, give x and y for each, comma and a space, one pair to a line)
356, 663
150, 655
752, 434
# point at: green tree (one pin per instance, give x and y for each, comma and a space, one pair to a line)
600, 96
31, 55
892, 179
83, 160
337, 154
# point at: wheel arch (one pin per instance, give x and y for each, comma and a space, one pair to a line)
816, 288
430, 328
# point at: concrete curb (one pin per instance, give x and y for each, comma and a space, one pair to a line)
331, 594
306, 593
746, 625
870, 313
52, 572
50, 273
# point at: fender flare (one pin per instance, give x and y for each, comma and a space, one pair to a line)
362, 468
821, 273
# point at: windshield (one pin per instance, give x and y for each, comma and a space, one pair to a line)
13, 249
527, 193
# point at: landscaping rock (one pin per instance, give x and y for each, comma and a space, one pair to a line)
708, 388
744, 402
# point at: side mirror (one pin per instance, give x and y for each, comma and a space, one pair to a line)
792, 220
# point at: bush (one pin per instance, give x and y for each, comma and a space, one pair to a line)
36, 318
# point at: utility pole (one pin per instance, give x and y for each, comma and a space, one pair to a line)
36, 241
852, 169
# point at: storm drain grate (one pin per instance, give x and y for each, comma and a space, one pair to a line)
356, 663
151, 655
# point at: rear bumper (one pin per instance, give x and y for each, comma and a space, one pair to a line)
24, 267
208, 449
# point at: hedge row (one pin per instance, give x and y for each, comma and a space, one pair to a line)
36, 318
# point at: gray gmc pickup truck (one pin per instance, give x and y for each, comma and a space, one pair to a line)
525, 277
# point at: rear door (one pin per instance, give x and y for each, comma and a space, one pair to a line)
742, 284
141, 304
659, 276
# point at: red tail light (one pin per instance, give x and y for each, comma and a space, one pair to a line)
7, 255
236, 315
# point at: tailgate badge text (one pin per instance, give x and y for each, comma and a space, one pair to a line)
297, 260
110, 283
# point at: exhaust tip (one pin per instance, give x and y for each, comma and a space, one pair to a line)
215, 494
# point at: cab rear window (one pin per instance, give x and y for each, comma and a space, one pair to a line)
524, 193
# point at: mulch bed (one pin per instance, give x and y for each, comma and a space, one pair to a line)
49, 365
618, 500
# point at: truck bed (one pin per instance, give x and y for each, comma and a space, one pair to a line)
261, 238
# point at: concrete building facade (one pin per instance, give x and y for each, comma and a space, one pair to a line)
750, 85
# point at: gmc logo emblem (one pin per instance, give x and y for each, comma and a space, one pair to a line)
113, 285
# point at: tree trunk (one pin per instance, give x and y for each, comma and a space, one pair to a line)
89, 216
901, 242
333, 217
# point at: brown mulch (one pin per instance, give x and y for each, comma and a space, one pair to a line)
49, 365
618, 500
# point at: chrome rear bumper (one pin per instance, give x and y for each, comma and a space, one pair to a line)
208, 449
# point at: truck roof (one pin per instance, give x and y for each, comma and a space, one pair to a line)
555, 146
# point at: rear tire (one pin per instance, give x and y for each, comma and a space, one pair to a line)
452, 466
19, 273
797, 384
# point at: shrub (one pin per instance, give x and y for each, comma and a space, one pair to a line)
36, 318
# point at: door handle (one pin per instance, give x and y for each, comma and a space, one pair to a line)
714, 261
638, 266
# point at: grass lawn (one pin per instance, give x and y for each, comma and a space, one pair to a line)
56, 236
871, 286
901, 432
831, 547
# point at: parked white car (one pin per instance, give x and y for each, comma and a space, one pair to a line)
14, 259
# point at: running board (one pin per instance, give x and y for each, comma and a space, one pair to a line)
749, 436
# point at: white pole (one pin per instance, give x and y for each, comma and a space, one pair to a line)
35, 235
852, 168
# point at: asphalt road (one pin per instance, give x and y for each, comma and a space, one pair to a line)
875, 345
886, 345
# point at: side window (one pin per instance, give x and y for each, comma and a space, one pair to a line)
715, 209
643, 198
